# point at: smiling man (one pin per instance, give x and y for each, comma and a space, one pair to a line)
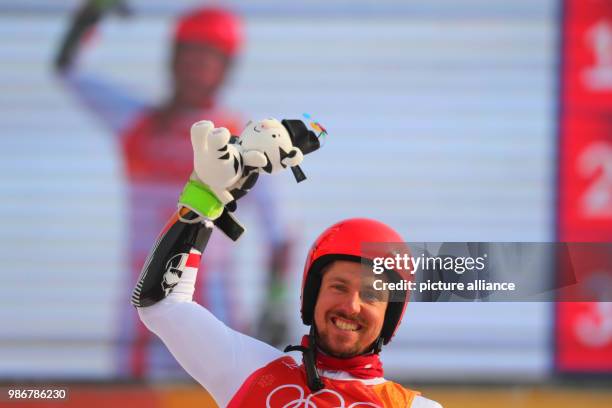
349, 313
349, 320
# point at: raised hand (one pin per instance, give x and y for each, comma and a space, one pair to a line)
226, 168
218, 163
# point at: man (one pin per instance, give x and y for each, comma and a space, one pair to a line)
349, 320
157, 158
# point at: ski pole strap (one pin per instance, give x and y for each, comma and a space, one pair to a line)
199, 198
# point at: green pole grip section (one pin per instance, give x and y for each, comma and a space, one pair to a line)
199, 198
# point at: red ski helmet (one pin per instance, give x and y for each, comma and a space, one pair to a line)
343, 241
216, 27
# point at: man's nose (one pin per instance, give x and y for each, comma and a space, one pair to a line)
351, 304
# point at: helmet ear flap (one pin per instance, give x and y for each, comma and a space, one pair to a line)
395, 309
309, 297
378, 345
392, 318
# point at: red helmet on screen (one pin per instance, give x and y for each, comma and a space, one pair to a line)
343, 241
216, 27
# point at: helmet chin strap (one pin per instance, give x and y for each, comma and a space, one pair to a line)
308, 358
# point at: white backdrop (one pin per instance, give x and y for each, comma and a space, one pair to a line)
442, 123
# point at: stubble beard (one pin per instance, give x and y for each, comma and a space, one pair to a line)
324, 342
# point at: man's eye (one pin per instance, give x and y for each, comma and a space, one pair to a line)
372, 296
340, 288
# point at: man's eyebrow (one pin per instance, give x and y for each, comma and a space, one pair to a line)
339, 279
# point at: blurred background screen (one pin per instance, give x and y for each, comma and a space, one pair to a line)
451, 120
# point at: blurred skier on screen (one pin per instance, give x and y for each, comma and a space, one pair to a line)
349, 320
158, 158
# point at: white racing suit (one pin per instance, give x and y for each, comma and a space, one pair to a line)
238, 370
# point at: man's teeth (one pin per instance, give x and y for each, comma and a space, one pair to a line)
345, 325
